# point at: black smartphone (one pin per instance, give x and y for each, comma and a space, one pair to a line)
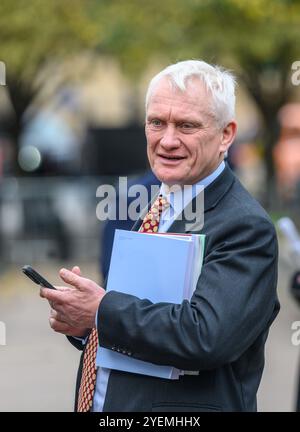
36, 277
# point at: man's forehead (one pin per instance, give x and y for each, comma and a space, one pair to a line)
165, 92
167, 99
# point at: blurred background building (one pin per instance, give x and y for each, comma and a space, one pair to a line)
71, 119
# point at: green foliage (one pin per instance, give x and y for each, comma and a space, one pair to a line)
255, 31
33, 31
252, 34
258, 38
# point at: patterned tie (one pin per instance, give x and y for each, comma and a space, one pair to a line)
151, 220
89, 371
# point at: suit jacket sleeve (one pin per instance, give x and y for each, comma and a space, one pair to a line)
76, 342
232, 305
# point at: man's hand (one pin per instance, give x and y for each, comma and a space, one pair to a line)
64, 328
73, 309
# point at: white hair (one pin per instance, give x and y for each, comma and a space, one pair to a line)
219, 82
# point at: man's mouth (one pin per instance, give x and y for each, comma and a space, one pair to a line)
171, 157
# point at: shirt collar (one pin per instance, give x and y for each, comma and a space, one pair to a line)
179, 198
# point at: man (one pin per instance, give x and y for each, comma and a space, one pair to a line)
221, 332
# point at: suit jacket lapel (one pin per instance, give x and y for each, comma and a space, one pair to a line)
212, 195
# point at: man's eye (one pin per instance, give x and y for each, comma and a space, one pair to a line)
187, 126
155, 123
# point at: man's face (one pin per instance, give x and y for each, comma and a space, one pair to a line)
184, 144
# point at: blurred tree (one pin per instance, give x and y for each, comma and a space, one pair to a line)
259, 38
34, 32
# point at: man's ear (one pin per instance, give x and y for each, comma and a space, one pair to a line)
228, 135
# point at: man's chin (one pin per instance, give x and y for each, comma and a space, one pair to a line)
170, 181
168, 177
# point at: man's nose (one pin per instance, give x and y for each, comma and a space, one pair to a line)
170, 137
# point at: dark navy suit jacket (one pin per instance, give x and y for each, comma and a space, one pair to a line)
221, 332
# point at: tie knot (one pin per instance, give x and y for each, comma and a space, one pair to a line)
161, 203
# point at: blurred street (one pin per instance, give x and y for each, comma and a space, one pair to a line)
38, 367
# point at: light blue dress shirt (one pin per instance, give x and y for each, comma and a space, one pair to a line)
165, 223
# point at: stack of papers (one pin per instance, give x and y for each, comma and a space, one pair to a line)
160, 268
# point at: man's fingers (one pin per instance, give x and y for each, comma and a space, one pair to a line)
72, 278
63, 288
57, 316
54, 296
66, 329
54, 314
61, 327
76, 270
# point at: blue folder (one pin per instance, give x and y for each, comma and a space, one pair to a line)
157, 267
